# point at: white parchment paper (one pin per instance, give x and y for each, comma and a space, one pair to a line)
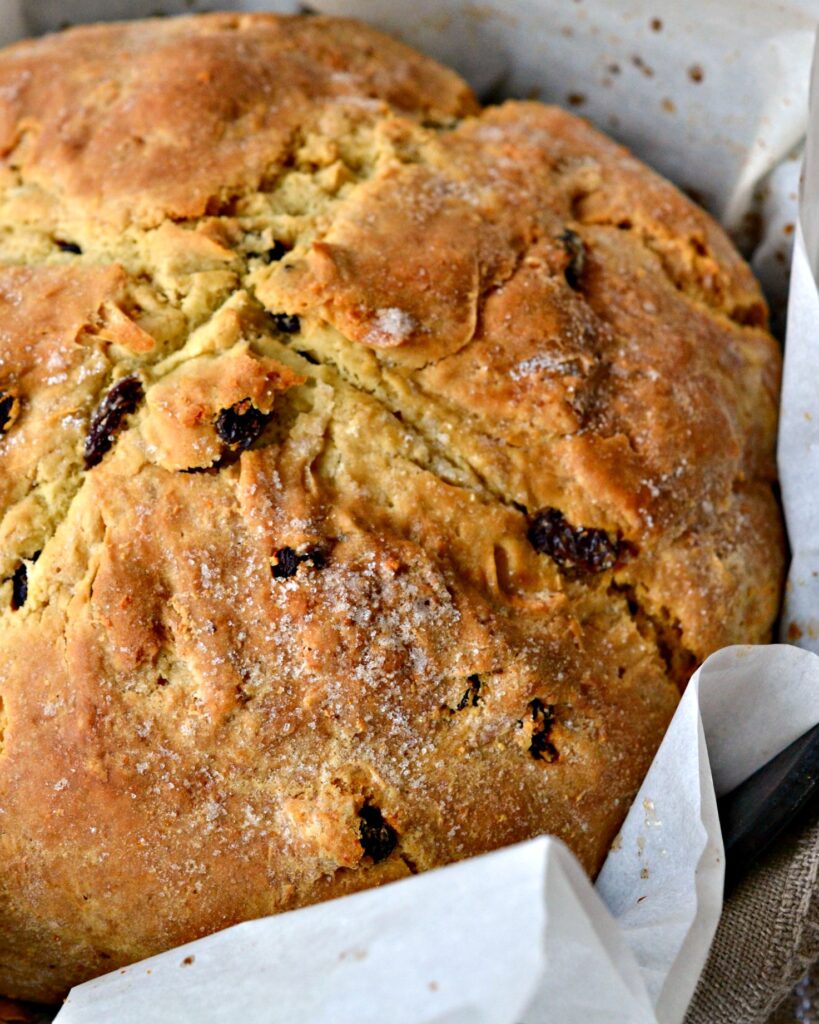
715, 96
799, 423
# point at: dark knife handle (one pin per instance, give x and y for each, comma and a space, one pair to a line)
757, 811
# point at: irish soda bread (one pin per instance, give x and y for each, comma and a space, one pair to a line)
374, 470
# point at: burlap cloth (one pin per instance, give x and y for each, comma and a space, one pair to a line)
760, 970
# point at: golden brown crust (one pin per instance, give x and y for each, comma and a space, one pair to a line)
300, 350
183, 113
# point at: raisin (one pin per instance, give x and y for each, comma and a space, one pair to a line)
9, 409
377, 837
19, 583
543, 716
68, 246
121, 400
577, 550
288, 561
19, 587
316, 556
576, 251
277, 252
472, 695
286, 323
240, 425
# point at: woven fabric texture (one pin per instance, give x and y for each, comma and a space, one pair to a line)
768, 939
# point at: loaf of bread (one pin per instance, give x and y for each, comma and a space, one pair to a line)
374, 471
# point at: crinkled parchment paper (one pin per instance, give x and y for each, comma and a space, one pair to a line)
714, 95
799, 424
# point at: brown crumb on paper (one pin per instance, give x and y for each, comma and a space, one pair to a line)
638, 62
695, 73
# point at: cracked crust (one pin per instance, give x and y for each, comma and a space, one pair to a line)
292, 633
